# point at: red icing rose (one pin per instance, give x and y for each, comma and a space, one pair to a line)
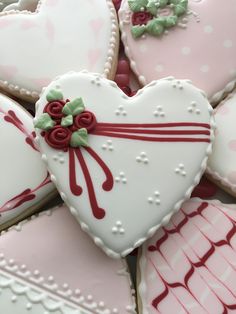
141, 18
85, 120
58, 137
54, 109
117, 4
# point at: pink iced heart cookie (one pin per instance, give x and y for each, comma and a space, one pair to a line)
183, 38
24, 180
222, 163
189, 265
59, 37
48, 265
117, 159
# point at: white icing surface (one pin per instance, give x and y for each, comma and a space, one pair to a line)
134, 182
222, 162
59, 37
21, 166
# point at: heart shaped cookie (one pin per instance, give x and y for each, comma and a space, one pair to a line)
222, 163
59, 37
183, 38
24, 180
123, 165
68, 275
189, 265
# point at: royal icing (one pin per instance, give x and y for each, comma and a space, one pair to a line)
193, 45
189, 265
25, 182
68, 275
121, 156
59, 37
222, 163
20, 5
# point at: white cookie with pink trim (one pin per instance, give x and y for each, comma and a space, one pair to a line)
58, 37
48, 265
222, 162
24, 180
190, 265
116, 159
184, 38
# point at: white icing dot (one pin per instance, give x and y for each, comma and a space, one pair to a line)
159, 68
204, 68
186, 51
228, 43
208, 29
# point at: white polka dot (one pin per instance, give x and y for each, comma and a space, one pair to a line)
204, 68
143, 48
159, 68
208, 29
228, 43
186, 51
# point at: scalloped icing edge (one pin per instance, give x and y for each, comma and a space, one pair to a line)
109, 66
142, 261
98, 241
7, 268
214, 100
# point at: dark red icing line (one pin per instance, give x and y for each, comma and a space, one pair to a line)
194, 266
25, 196
11, 117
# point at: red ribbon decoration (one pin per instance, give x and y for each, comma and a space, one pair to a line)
157, 132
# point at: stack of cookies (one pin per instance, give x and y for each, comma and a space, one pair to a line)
117, 123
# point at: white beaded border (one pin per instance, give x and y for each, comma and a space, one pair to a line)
214, 100
10, 268
111, 55
98, 241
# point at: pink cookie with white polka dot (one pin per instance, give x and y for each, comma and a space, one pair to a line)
191, 39
222, 163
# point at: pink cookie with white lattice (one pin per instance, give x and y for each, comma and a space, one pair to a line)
189, 265
192, 39
24, 180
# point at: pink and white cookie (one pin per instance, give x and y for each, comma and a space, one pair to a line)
123, 158
48, 265
222, 162
58, 37
24, 180
190, 265
183, 38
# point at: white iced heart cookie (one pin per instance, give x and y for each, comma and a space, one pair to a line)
38, 277
189, 265
183, 38
123, 165
59, 37
24, 180
222, 163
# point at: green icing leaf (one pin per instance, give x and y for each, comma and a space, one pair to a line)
74, 107
53, 95
152, 7
171, 21
44, 122
67, 121
138, 31
137, 5
79, 138
156, 27
180, 6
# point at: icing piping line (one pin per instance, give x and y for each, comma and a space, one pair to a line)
25, 196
